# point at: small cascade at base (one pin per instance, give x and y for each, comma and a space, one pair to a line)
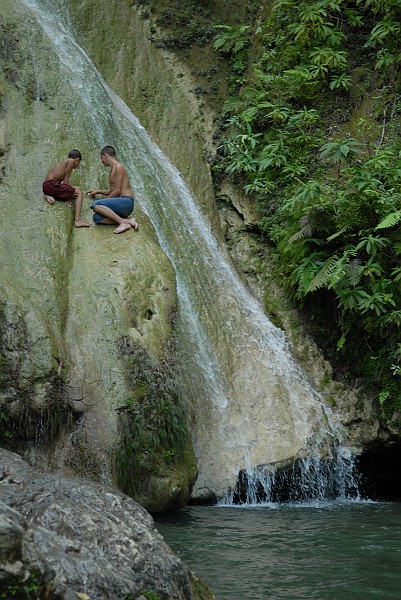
311, 479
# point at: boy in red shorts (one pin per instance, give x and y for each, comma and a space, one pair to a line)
56, 185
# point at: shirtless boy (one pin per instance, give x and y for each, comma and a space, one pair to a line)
56, 185
119, 204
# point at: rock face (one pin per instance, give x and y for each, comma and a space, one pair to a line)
71, 298
143, 71
66, 539
87, 318
155, 87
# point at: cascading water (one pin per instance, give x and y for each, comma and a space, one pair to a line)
251, 402
310, 479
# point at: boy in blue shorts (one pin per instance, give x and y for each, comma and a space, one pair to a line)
119, 203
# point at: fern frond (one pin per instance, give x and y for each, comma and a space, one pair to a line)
305, 232
390, 220
306, 273
354, 272
239, 45
324, 275
338, 233
317, 241
233, 105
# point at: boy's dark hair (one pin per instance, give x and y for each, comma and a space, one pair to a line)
75, 154
109, 150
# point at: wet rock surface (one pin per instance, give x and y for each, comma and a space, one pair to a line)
69, 296
64, 538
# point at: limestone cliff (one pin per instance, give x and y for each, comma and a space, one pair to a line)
70, 299
88, 357
162, 83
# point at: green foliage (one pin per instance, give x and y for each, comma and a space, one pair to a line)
152, 423
233, 41
385, 35
186, 23
340, 149
331, 207
27, 589
390, 220
150, 595
340, 81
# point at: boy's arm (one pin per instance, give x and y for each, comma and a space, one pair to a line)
68, 171
95, 192
116, 182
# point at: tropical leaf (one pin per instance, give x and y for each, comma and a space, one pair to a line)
390, 220
329, 58
305, 232
372, 244
348, 298
340, 149
340, 81
323, 276
334, 5
338, 233
376, 302
382, 30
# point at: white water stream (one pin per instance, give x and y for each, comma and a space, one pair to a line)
251, 402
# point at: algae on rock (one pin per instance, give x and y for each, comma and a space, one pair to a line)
154, 461
67, 295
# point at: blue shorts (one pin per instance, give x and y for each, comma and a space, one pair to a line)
122, 206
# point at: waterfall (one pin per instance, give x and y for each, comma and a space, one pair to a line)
251, 403
310, 479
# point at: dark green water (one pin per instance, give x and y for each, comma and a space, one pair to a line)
332, 551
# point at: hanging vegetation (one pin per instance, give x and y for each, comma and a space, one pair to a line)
312, 132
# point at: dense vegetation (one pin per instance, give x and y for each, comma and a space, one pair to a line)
312, 133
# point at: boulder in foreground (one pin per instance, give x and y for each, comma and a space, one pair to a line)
65, 539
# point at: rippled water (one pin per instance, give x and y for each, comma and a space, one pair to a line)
331, 551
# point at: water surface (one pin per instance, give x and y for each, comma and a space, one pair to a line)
331, 551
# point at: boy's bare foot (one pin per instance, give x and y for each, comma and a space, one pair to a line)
123, 227
133, 223
80, 223
50, 200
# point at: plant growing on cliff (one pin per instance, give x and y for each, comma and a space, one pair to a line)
336, 232
152, 424
234, 42
22, 589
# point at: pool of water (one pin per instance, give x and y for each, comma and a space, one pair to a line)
327, 551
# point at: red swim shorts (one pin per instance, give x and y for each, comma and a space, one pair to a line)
58, 190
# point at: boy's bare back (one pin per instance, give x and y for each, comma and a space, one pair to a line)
61, 170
